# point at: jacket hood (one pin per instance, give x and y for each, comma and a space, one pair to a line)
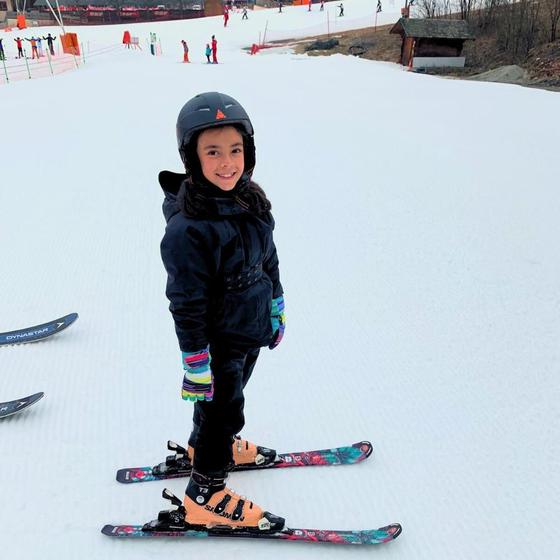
170, 183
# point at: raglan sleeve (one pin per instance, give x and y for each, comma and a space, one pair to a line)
271, 267
187, 258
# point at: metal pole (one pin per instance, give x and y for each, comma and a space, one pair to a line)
49, 57
83, 53
264, 36
26, 63
5, 71
328, 25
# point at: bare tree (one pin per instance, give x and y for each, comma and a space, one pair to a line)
552, 8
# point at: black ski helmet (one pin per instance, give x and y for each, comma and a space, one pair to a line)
211, 109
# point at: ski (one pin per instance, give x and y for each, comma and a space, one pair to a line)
178, 465
39, 332
11, 407
171, 523
364, 537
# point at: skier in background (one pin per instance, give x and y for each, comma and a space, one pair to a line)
280, 7
19, 45
185, 51
40, 47
341, 7
208, 52
2, 54
309, 8
50, 39
226, 16
214, 50
322, 5
34, 52
244, 16
225, 296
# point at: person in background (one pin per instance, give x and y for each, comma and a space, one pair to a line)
34, 52
341, 7
208, 52
214, 50
2, 54
19, 45
226, 16
185, 51
245, 16
322, 5
40, 47
50, 40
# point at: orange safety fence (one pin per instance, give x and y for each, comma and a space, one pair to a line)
21, 23
70, 44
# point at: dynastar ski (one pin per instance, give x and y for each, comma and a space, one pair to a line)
39, 332
178, 465
171, 524
11, 407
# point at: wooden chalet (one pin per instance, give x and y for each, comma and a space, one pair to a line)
432, 42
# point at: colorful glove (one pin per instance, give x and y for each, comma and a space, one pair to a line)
278, 320
198, 381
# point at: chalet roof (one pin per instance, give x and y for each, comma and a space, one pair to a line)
433, 28
121, 3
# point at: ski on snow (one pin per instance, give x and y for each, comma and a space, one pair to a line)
178, 465
374, 536
11, 407
39, 332
171, 524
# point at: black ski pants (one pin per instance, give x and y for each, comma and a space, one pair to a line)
216, 422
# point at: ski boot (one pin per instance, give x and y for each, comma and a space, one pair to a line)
246, 455
210, 504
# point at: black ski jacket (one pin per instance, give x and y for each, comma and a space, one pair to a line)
222, 271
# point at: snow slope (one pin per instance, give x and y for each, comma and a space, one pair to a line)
417, 227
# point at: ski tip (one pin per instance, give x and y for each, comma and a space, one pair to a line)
365, 447
395, 529
107, 529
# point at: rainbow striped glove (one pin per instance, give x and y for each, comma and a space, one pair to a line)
198, 382
278, 320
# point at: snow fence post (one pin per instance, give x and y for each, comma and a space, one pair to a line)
50, 62
264, 34
26, 63
83, 53
5, 70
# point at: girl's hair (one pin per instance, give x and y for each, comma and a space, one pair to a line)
194, 199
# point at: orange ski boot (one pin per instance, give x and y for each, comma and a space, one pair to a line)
210, 504
246, 454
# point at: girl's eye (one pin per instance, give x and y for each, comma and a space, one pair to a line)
237, 151
212, 152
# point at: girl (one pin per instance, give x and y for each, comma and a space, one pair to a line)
208, 52
226, 299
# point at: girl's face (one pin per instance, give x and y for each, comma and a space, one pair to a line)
220, 152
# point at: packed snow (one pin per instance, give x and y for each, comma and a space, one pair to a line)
417, 229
